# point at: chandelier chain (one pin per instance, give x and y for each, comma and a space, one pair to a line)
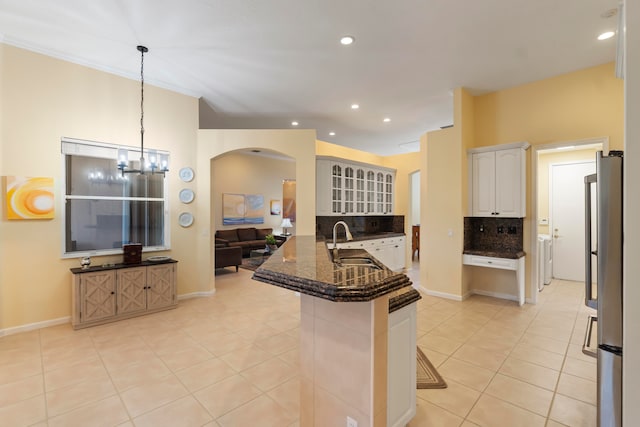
142, 103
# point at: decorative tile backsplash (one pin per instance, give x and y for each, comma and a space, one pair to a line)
492, 234
361, 225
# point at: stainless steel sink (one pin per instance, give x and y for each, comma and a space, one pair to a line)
352, 257
357, 261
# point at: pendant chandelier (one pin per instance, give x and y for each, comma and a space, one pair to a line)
157, 163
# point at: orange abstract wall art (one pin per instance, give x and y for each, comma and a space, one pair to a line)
29, 197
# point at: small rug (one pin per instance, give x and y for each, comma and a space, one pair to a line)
427, 376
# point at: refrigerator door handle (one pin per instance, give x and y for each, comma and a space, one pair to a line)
586, 347
589, 301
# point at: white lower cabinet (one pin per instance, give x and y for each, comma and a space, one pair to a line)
401, 366
390, 251
102, 296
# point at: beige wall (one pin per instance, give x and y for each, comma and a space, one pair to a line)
579, 105
45, 99
328, 149
300, 145
441, 212
545, 160
250, 174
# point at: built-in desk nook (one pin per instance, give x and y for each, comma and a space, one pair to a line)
496, 243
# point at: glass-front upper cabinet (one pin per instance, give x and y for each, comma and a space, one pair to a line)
337, 187
349, 188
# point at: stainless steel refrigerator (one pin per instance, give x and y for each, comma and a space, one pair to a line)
604, 256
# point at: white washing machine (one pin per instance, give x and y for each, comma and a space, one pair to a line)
545, 260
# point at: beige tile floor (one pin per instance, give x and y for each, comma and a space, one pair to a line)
232, 360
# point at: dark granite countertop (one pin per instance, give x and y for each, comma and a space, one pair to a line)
495, 253
104, 267
303, 264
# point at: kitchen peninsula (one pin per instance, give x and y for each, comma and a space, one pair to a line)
344, 331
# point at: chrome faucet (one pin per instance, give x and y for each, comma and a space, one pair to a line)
346, 230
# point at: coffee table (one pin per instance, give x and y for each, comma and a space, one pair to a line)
258, 256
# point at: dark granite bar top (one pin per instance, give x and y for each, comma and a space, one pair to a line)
495, 253
104, 267
403, 298
303, 264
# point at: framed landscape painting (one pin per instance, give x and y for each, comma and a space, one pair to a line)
232, 209
242, 209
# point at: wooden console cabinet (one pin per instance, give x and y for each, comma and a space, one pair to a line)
106, 294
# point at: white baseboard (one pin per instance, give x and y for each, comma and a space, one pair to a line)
33, 326
494, 294
471, 292
196, 295
440, 294
62, 320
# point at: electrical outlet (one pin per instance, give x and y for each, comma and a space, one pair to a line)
512, 230
351, 422
500, 229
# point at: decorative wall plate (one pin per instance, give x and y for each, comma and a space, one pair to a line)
187, 195
186, 174
185, 219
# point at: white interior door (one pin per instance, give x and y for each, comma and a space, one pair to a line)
567, 218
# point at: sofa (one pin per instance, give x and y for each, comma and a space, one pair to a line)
247, 239
228, 256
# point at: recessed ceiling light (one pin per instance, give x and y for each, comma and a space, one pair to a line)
294, 123
386, 120
332, 134
354, 106
606, 35
255, 151
347, 40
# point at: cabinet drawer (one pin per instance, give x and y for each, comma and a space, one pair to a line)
485, 261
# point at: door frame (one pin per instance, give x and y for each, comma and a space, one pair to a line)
533, 241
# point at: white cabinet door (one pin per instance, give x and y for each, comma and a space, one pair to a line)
401, 359
337, 188
370, 183
349, 190
384, 254
388, 193
361, 191
400, 253
498, 183
508, 183
484, 184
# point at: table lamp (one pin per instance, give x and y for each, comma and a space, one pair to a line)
286, 223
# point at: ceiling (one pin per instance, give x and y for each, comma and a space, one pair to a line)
263, 64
